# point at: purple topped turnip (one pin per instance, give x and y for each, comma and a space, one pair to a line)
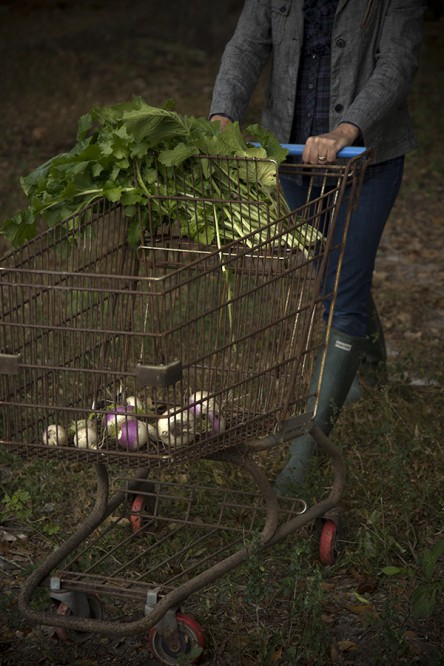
116, 417
132, 435
208, 410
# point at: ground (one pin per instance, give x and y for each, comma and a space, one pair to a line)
58, 60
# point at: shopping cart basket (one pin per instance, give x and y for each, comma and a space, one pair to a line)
180, 341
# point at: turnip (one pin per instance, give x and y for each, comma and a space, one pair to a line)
132, 434
209, 410
138, 404
75, 426
116, 417
86, 438
176, 427
201, 404
55, 435
217, 421
153, 432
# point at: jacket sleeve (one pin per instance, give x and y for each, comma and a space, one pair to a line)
243, 60
396, 62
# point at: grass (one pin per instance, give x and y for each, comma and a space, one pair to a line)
282, 606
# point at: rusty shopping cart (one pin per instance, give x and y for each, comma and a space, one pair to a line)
141, 356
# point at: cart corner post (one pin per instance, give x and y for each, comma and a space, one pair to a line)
159, 375
10, 364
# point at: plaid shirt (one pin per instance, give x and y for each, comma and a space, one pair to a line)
311, 114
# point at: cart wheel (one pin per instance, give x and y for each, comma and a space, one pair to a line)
328, 550
142, 503
95, 611
136, 520
191, 637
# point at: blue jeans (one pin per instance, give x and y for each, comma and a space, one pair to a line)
379, 192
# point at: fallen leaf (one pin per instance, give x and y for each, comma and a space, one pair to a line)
335, 656
414, 642
345, 646
367, 584
328, 619
277, 654
362, 609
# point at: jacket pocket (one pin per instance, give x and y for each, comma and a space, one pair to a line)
279, 12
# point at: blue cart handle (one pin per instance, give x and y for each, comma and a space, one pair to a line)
295, 149
347, 153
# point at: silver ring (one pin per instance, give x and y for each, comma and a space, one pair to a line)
321, 159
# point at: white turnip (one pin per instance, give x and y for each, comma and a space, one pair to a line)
153, 432
136, 403
55, 435
175, 427
86, 438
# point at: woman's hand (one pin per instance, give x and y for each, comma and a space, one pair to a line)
224, 121
323, 149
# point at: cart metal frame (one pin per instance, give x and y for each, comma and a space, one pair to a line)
85, 313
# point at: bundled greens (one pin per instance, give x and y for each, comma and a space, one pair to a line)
134, 154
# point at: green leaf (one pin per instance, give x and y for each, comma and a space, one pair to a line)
20, 228
33, 179
131, 197
155, 123
113, 193
268, 140
392, 571
424, 601
177, 155
262, 172
430, 557
83, 126
96, 169
134, 233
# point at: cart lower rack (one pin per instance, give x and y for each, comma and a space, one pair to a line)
192, 339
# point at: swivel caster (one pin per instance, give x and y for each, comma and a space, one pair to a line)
190, 643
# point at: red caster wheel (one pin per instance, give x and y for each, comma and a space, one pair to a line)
95, 611
136, 519
328, 546
191, 641
140, 504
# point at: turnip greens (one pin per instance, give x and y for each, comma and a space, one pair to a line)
132, 153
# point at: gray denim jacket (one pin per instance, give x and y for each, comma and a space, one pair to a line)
375, 50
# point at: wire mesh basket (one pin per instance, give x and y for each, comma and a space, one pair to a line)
171, 332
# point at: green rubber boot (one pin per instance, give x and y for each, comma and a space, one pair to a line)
344, 354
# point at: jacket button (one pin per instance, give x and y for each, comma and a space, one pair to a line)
340, 43
339, 108
283, 9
